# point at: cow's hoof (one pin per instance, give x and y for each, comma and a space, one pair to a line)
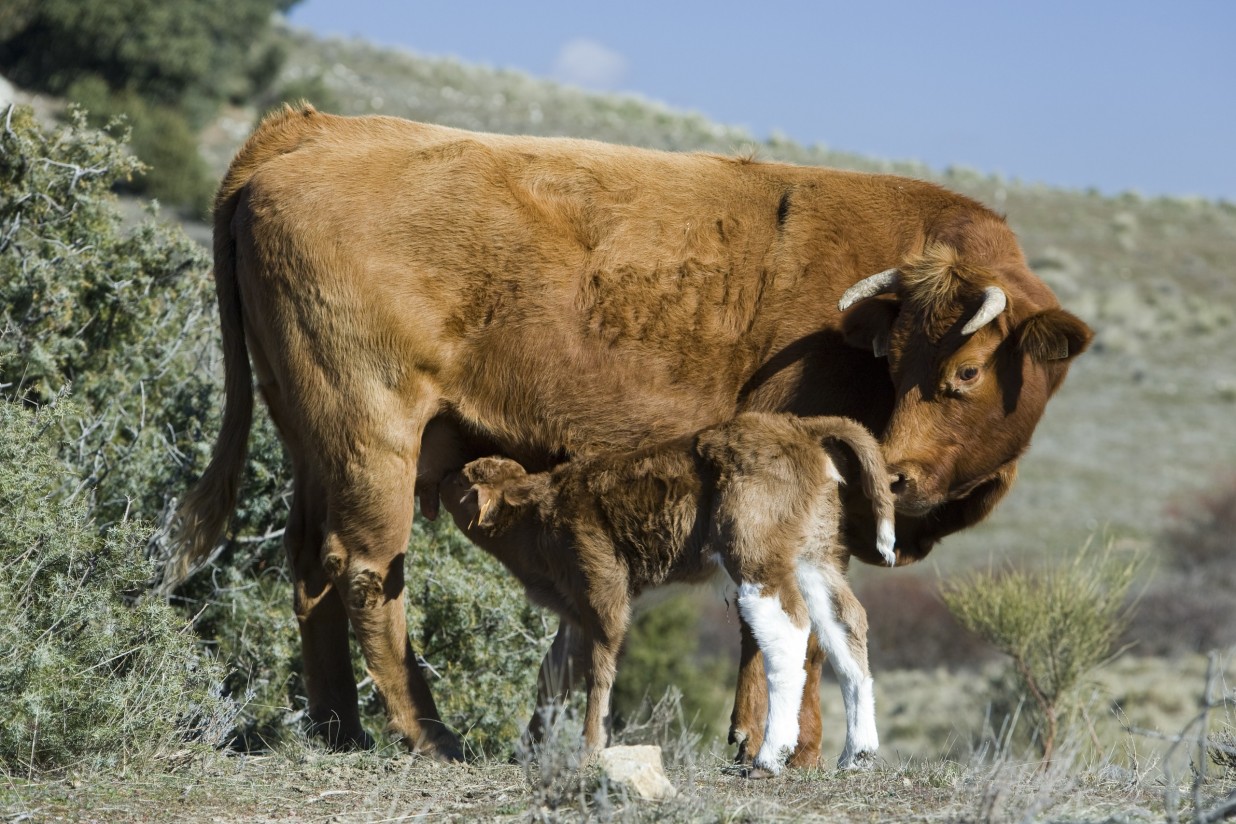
448, 751
337, 738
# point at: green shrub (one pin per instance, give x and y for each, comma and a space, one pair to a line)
125, 317
164, 50
89, 669
161, 138
1055, 625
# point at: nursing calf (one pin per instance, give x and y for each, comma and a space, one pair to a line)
757, 495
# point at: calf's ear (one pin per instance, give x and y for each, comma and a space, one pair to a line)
1053, 335
868, 325
487, 500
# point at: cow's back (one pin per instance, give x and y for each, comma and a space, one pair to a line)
558, 293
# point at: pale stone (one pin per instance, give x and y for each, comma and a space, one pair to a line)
639, 770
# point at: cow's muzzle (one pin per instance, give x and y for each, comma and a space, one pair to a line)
907, 492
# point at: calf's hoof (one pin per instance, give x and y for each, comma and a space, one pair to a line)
862, 762
758, 774
745, 754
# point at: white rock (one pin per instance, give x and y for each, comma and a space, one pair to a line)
639, 770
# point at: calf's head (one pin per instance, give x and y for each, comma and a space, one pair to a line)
488, 495
974, 352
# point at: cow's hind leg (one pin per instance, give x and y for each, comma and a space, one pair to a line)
370, 515
323, 622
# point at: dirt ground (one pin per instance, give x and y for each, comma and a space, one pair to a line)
302, 783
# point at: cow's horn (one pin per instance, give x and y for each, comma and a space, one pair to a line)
994, 301
877, 284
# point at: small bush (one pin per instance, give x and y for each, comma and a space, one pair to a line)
127, 318
91, 669
123, 316
1056, 625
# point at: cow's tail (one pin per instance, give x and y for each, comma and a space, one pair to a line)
874, 476
203, 515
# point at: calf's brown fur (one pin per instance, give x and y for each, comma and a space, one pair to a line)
757, 495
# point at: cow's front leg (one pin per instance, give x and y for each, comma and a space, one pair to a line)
372, 589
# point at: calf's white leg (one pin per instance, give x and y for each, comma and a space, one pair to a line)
784, 646
840, 625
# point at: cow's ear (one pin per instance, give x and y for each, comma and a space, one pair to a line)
1053, 335
868, 325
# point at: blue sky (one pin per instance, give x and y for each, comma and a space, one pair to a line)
1121, 96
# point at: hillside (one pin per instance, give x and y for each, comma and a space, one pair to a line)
1146, 419
1143, 427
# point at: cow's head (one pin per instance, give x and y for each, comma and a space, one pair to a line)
974, 353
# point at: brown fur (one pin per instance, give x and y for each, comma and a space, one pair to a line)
756, 494
561, 297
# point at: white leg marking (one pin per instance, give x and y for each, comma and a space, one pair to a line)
857, 690
785, 647
886, 539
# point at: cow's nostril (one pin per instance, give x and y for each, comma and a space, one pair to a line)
898, 482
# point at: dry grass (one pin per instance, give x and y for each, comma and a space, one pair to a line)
1135, 778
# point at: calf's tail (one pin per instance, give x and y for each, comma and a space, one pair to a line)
874, 476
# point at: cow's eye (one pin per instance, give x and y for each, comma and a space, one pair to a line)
967, 374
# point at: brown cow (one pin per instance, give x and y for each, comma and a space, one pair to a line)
757, 495
561, 297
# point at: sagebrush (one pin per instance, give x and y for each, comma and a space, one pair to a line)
126, 318
1056, 625
93, 669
